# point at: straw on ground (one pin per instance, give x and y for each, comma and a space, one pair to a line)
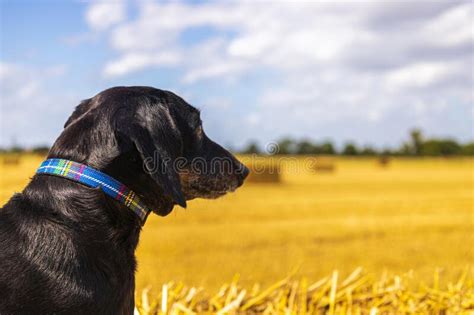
358, 293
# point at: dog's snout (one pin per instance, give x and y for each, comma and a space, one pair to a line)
244, 172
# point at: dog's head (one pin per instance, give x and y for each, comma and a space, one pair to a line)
152, 141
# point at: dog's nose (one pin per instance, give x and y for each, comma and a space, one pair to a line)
244, 172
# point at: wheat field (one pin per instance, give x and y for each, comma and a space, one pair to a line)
410, 217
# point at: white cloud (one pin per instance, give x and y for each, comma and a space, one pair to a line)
418, 75
253, 119
453, 27
223, 69
105, 13
27, 104
281, 35
286, 36
138, 61
329, 61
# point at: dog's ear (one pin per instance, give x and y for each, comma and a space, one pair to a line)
78, 112
159, 143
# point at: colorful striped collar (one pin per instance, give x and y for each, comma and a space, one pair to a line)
93, 178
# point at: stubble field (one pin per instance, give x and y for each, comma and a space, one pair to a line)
413, 216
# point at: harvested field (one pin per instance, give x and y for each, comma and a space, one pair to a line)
324, 165
358, 293
263, 170
416, 214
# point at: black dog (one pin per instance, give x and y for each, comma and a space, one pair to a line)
66, 248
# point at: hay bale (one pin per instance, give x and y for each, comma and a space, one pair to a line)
383, 161
264, 173
324, 165
11, 159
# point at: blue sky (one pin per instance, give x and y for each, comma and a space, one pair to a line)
361, 71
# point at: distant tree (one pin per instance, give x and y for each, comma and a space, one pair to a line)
416, 141
16, 149
350, 149
406, 149
468, 149
41, 150
306, 147
327, 148
368, 151
415, 146
252, 148
387, 152
442, 147
286, 146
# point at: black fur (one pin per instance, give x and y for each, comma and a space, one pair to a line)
69, 249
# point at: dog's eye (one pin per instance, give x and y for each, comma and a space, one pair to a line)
199, 131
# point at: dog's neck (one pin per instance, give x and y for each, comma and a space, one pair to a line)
109, 155
86, 207
88, 232
75, 144
87, 210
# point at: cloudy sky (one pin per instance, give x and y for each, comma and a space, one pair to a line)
364, 71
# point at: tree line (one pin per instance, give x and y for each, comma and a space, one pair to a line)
417, 145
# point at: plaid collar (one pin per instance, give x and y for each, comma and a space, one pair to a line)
93, 178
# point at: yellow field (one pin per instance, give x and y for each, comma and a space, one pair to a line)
413, 215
